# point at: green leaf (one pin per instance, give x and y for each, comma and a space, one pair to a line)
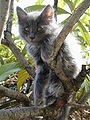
8, 69
1, 60
22, 76
76, 3
86, 20
70, 4
75, 26
80, 93
85, 85
34, 7
88, 82
84, 32
87, 14
39, 2
24, 52
62, 11
61, 3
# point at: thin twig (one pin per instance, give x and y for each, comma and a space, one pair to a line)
78, 106
10, 18
55, 8
4, 7
80, 102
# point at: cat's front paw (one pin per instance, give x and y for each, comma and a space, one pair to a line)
38, 98
49, 100
38, 101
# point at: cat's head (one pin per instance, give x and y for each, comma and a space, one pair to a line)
35, 26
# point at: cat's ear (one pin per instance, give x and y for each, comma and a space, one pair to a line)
47, 13
21, 14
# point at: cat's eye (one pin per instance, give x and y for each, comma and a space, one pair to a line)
40, 28
26, 29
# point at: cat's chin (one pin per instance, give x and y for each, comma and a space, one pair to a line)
32, 41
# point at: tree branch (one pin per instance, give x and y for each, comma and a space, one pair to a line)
78, 106
14, 95
10, 17
60, 39
80, 103
55, 8
31, 112
8, 42
26, 112
8, 104
69, 25
4, 6
16, 51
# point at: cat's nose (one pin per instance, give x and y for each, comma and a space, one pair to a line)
32, 36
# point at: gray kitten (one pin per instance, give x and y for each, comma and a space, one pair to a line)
39, 30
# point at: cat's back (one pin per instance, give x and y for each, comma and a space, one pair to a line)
71, 57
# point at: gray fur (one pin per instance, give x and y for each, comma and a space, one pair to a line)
39, 30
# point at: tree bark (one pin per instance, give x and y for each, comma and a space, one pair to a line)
4, 7
14, 95
26, 112
32, 112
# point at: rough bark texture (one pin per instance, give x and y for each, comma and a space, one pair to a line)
4, 6
14, 95
55, 8
26, 112
32, 112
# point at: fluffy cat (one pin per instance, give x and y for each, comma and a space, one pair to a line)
39, 30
